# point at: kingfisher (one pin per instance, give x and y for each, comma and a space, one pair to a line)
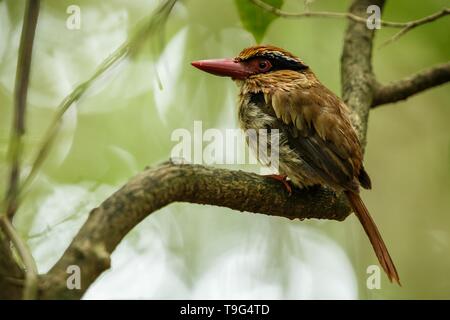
318, 144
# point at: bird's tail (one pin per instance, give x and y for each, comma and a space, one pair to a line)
374, 235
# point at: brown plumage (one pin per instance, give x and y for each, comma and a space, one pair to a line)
318, 144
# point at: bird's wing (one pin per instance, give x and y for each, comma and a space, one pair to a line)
320, 131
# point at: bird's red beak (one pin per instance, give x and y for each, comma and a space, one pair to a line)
224, 68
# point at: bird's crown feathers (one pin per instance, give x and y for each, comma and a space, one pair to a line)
273, 53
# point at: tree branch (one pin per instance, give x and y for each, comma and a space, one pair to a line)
31, 278
404, 88
356, 68
413, 24
407, 26
20, 102
9, 267
155, 188
10, 272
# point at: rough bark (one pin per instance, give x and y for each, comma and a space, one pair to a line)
157, 187
356, 68
11, 275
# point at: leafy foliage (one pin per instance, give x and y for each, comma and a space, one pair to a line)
254, 19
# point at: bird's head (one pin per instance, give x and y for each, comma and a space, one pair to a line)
252, 62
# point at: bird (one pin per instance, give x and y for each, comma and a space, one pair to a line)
318, 144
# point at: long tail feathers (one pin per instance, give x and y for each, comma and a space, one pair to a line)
374, 235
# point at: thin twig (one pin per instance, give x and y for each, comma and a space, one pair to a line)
407, 26
126, 48
404, 88
31, 276
20, 103
413, 24
68, 101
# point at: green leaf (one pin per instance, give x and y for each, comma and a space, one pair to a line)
255, 19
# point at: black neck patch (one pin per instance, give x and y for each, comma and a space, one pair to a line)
282, 62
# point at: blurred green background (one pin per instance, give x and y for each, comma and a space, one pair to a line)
125, 121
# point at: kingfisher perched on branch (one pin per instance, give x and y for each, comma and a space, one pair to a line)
317, 142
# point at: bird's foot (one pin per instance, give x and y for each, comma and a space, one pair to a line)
283, 179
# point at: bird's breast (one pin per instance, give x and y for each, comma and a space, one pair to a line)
254, 113
258, 117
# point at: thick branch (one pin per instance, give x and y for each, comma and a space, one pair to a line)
404, 88
356, 67
11, 275
155, 188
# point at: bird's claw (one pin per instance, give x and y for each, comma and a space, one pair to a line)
283, 179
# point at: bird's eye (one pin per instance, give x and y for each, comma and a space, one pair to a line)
264, 65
